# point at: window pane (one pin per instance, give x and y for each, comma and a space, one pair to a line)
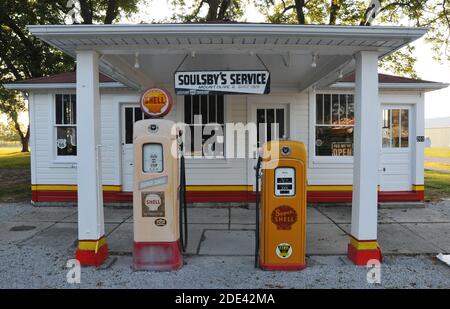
212, 109
204, 108
270, 121
58, 108
220, 109
67, 110
66, 141
343, 109
350, 108
187, 109
319, 108
405, 127
137, 114
334, 141
260, 120
73, 99
280, 122
395, 128
327, 109
195, 106
335, 108
129, 125
386, 129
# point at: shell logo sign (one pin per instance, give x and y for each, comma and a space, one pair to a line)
156, 102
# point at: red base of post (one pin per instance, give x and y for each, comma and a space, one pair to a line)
158, 256
362, 256
92, 258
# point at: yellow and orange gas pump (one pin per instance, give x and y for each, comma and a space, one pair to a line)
158, 191
282, 214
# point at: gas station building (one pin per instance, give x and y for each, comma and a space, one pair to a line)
364, 131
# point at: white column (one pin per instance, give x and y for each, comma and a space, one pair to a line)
90, 198
366, 147
417, 114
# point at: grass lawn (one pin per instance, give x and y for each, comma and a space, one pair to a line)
12, 158
437, 185
441, 166
15, 183
437, 152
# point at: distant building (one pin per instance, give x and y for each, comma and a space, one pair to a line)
438, 130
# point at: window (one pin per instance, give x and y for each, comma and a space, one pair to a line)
395, 131
334, 125
205, 116
270, 124
132, 114
65, 124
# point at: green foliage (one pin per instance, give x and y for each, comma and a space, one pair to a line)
434, 14
8, 133
22, 56
207, 10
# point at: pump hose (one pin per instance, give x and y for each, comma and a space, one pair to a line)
183, 206
257, 169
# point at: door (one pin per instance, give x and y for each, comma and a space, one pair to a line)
130, 113
395, 160
271, 124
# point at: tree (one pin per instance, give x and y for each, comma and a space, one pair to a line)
208, 10
22, 56
434, 14
8, 133
12, 104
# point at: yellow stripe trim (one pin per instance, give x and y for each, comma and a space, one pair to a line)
115, 188
91, 245
418, 187
363, 245
220, 188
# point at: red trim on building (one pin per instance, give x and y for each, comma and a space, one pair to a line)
228, 196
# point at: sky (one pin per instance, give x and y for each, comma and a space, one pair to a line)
437, 102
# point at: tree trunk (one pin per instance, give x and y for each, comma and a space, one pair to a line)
25, 143
334, 8
299, 5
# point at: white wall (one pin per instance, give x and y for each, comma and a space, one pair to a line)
47, 170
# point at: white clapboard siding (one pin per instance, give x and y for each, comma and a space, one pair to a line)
46, 169
221, 171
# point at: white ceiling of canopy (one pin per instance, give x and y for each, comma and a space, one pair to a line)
286, 50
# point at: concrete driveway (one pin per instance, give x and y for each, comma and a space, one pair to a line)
36, 242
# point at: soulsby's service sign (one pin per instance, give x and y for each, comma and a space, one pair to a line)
225, 82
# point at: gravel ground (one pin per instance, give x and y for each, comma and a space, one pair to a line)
33, 266
442, 206
39, 267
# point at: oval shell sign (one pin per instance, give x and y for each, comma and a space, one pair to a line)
156, 102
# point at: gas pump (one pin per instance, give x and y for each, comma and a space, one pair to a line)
159, 197
281, 218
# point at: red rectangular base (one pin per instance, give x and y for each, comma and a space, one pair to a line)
281, 267
157, 256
